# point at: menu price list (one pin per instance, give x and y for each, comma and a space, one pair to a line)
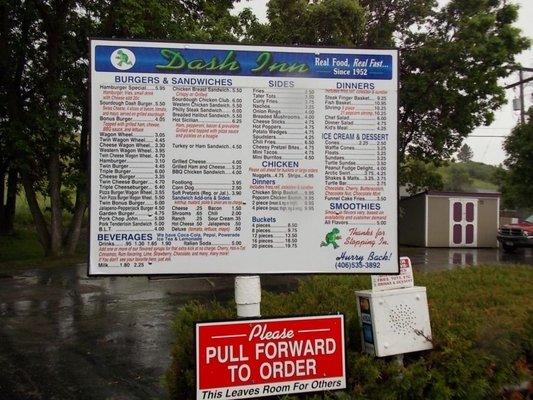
356, 145
218, 171
131, 159
207, 193
137, 155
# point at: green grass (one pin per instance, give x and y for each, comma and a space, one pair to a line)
22, 211
480, 303
23, 216
482, 329
22, 249
480, 174
479, 184
22, 246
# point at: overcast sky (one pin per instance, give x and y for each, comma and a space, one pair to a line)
486, 149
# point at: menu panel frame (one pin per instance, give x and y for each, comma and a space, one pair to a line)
215, 265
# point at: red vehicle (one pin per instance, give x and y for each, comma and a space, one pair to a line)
512, 236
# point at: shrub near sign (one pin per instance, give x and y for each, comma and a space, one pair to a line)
265, 357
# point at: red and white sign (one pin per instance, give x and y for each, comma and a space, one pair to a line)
266, 357
403, 280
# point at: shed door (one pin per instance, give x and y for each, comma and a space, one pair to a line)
463, 222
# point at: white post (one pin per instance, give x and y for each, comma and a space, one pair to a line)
248, 296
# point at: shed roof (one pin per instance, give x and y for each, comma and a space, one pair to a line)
454, 194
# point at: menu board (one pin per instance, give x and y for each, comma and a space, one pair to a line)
242, 159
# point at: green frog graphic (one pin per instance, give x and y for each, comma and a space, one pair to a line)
122, 58
331, 238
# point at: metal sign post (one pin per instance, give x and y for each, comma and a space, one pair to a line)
248, 296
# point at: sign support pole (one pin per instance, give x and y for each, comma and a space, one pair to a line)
248, 296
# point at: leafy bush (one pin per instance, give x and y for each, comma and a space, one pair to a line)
482, 322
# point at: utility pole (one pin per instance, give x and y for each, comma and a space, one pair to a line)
521, 78
520, 83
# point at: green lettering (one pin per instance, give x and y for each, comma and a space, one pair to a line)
284, 67
278, 67
196, 65
212, 65
300, 68
174, 58
177, 62
229, 63
263, 60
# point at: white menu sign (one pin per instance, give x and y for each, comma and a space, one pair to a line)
242, 159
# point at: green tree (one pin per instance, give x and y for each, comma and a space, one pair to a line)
518, 181
48, 134
465, 153
451, 58
417, 175
327, 22
458, 179
450, 73
16, 38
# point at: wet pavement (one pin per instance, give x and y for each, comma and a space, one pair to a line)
434, 259
66, 336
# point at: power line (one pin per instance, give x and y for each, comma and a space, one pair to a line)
487, 136
520, 83
486, 127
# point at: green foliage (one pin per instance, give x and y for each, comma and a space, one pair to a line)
458, 179
451, 60
418, 175
44, 115
481, 321
181, 376
328, 22
450, 74
208, 20
481, 171
465, 153
518, 182
22, 249
478, 176
21, 245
